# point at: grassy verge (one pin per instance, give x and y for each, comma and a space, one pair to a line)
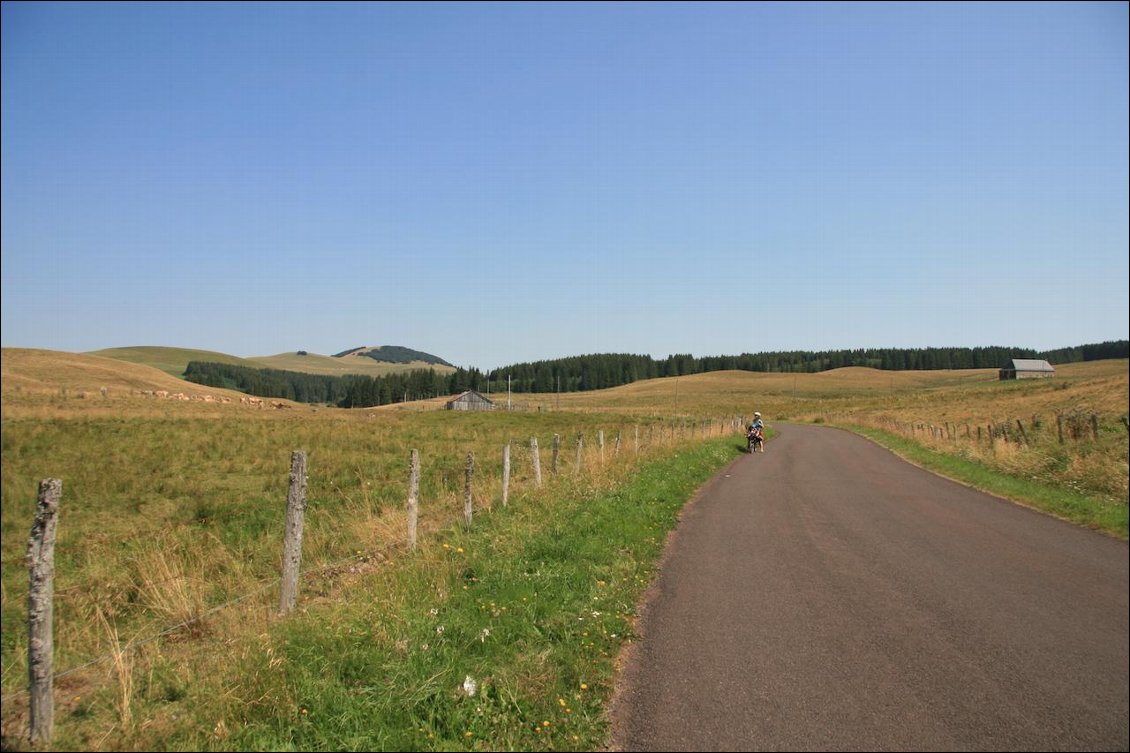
1089, 510
503, 637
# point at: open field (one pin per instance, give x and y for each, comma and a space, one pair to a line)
173, 508
174, 361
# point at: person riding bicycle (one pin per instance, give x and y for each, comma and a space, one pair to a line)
756, 432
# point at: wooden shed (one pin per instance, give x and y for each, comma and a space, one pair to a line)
469, 400
1027, 368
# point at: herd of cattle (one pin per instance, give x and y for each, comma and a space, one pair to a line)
255, 402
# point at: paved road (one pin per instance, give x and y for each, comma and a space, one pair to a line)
828, 596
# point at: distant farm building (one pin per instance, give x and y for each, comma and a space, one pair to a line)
1027, 368
470, 400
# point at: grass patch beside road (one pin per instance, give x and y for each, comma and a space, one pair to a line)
501, 638
1091, 510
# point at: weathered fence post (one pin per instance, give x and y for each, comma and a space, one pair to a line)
292, 544
1095, 426
413, 497
638, 439
1023, 434
468, 473
600, 444
580, 448
556, 451
1059, 426
40, 610
616, 452
505, 474
536, 458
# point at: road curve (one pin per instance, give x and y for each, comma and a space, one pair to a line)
827, 595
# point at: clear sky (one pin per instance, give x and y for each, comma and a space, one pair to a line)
495, 183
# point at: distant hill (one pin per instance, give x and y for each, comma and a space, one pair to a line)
394, 354
38, 371
174, 361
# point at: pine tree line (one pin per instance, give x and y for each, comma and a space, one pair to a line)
600, 371
350, 391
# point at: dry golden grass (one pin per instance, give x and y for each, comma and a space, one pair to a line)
172, 508
51, 372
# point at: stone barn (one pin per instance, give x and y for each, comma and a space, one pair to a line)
469, 400
1027, 368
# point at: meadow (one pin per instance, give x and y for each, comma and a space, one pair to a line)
499, 637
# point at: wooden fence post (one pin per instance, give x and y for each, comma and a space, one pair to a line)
1023, 434
536, 458
505, 474
292, 544
600, 444
40, 610
1059, 426
556, 451
638, 438
616, 452
1095, 426
468, 473
413, 497
580, 448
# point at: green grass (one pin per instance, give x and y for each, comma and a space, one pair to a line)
1091, 510
533, 603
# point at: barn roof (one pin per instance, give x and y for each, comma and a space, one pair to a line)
471, 395
1029, 364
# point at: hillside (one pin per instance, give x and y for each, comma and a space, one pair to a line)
174, 361
50, 371
397, 354
354, 362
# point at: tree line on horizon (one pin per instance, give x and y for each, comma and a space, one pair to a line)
604, 370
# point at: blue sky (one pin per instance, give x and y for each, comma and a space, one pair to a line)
495, 183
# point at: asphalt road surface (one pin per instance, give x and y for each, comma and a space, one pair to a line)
826, 595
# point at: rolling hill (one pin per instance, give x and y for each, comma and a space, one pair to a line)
173, 361
49, 371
